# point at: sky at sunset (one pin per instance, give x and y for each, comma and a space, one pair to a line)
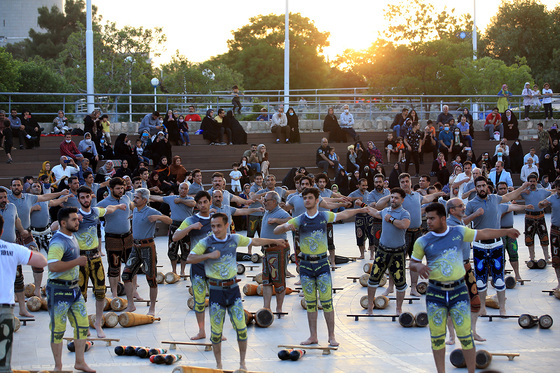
200, 29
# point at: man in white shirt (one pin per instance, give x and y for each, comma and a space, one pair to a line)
528, 169
531, 154
11, 255
279, 124
66, 168
463, 178
346, 122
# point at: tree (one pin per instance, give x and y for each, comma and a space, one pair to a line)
9, 79
524, 28
257, 52
485, 76
59, 26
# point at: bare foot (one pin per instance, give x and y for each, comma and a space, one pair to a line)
219, 366
137, 296
89, 333
151, 312
57, 368
99, 330
279, 310
371, 257
388, 291
84, 368
518, 278
310, 341
243, 367
361, 257
398, 311
224, 338
503, 311
450, 342
298, 283
478, 338
130, 308
482, 311
289, 274
556, 288
414, 293
25, 313
333, 342
200, 335
37, 293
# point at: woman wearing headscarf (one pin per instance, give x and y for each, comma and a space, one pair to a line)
341, 180
331, 126
511, 126
124, 150
527, 94
105, 172
440, 170
160, 147
263, 159
503, 103
170, 122
165, 177
124, 170
372, 150
178, 172
210, 129
89, 150
394, 176
238, 134
154, 184
293, 123
46, 170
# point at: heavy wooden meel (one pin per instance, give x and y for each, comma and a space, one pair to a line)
422, 287
364, 280
128, 319
264, 318
118, 304
304, 304
250, 289
240, 269
364, 302
457, 358
381, 302
557, 293
17, 324
406, 319
92, 318
382, 281
107, 304
258, 278
483, 359
29, 290
249, 318
111, 320
160, 277
171, 277
35, 304
260, 289
190, 302
492, 302
256, 258
367, 268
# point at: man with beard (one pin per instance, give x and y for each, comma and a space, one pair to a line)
363, 226
181, 207
254, 220
484, 211
373, 197
144, 220
73, 185
413, 204
218, 183
229, 211
24, 203
534, 218
118, 237
321, 180
391, 252
506, 222
197, 227
63, 293
447, 293
86, 235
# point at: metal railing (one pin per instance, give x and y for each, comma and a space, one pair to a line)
308, 104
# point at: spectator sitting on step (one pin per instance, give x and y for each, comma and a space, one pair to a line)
263, 159
69, 149
106, 128
178, 172
225, 128
125, 150
160, 147
6, 135
238, 134
105, 172
211, 130
334, 158
65, 169
18, 129
46, 170
279, 125
89, 150
352, 160
184, 131
264, 116
322, 159
60, 123
346, 122
83, 168
104, 151
124, 170
494, 123
399, 121
444, 117
372, 150
331, 126
154, 185
192, 116
151, 123
252, 158
528, 169
32, 128
293, 123
165, 177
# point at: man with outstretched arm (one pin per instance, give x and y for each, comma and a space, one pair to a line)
219, 254
447, 293
315, 274
391, 253
554, 202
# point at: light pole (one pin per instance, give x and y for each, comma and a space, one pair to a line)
287, 58
89, 58
130, 61
155, 83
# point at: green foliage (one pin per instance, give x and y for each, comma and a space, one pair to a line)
58, 25
485, 76
9, 78
257, 52
524, 28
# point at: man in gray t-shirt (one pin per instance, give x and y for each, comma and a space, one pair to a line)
391, 253
255, 218
144, 220
484, 212
534, 218
554, 202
